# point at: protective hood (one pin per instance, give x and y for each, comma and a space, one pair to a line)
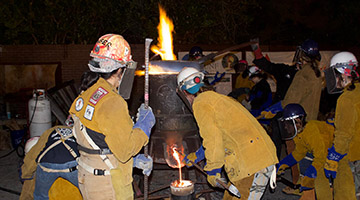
127, 79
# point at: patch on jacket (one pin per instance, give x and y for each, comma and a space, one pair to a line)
89, 112
79, 104
98, 94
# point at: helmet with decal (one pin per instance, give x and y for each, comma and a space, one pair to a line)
110, 52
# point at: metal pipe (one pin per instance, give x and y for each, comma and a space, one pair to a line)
146, 101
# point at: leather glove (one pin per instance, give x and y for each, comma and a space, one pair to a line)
145, 119
308, 182
144, 163
288, 161
213, 175
217, 78
332, 161
271, 111
195, 157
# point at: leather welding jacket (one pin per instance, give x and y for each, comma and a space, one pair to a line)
232, 137
283, 74
347, 123
316, 138
242, 82
101, 109
305, 90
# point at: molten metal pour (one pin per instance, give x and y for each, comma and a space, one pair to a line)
177, 157
180, 187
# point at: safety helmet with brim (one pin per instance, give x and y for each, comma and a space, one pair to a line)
292, 115
110, 53
341, 64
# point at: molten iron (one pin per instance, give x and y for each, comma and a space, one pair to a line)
180, 187
187, 189
177, 158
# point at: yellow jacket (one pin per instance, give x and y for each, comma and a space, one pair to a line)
243, 83
232, 136
347, 123
101, 109
305, 89
316, 138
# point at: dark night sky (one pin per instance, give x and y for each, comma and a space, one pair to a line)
332, 23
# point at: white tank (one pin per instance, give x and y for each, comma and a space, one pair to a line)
39, 113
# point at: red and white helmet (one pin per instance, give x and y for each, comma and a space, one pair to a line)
254, 70
344, 62
111, 51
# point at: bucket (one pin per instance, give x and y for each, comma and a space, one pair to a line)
16, 137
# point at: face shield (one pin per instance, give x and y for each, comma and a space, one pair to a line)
297, 56
333, 80
288, 128
127, 79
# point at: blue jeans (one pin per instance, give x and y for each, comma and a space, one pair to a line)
44, 180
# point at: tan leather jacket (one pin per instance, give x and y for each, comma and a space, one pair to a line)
232, 136
347, 123
305, 89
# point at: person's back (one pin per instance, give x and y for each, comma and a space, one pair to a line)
305, 90
52, 157
243, 136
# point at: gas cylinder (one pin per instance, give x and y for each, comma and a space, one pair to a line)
39, 113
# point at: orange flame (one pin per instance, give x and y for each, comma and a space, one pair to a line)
165, 29
154, 70
181, 183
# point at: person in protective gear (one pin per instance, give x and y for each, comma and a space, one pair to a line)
293, 87
313, 137
50, 168
108, 140
342, 76
299, 83
232, 138
260, 96
195, 53
242, 83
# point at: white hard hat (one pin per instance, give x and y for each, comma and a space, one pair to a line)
30, 143
254, 70
190, 79
344, 62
